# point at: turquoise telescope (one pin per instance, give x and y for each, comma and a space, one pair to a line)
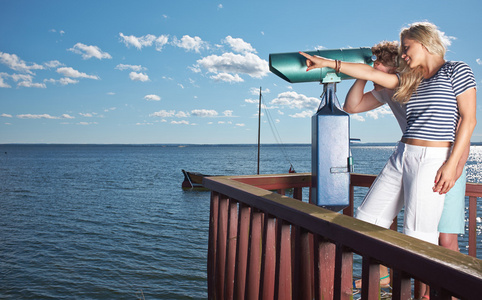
291, 66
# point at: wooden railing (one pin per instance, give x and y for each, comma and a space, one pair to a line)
264, 245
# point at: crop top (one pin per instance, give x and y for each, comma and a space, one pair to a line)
432, 111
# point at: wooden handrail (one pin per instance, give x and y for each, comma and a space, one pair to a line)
274, 240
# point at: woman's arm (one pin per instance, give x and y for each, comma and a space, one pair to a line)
356, 70
356, 101
446, 175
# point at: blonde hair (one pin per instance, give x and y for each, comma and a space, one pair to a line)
432, 39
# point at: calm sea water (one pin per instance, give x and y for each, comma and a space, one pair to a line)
112, 222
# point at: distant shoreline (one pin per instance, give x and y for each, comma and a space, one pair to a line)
353, 144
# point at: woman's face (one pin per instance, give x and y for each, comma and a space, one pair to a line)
413, 52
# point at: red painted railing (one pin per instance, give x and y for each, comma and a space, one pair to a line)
264, 245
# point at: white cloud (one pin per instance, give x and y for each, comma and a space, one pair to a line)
41, 116
161, 41
182, 114
163, 114
240, 124
380, 111
123, 67
62, 81
182, 122
479, 61
220, 6
303, 114
70, 72
15, 63
152, 97
190, 43
138, 42
6, 115
357, 117
228, 113
53, 64
227, 77
239, 45
252, 101
204, 113
295, 100
87, 115
89, 51
3, 84
25, 80
138, 76
248, 63
67, 116
87, 123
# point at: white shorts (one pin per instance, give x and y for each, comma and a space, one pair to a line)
407, 179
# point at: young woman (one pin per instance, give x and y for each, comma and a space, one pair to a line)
439, 96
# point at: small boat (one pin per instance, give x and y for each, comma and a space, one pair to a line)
193, 180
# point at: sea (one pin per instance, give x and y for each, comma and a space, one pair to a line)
112, 222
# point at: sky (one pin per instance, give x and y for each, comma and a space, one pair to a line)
190, 72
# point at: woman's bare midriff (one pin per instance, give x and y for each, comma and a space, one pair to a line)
424, 143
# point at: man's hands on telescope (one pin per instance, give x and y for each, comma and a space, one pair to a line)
315, 62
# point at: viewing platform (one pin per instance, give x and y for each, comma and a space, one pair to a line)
266, 245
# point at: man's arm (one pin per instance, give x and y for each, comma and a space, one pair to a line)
356, 101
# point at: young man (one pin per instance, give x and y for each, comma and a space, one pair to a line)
452, 221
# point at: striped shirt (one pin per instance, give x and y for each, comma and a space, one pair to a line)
432, 112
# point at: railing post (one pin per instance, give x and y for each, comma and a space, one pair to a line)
254, 256
473, 226
343, 273
221, 246
213, 231
401, 286
370, 278
242, 251
268, 262
283, 283
324, 264
231, 249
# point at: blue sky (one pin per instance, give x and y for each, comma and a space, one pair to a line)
189, 72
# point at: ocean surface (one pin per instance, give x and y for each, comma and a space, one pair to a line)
112, 222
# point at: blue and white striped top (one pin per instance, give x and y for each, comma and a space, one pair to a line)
432, 111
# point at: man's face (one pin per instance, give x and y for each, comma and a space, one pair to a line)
381, 67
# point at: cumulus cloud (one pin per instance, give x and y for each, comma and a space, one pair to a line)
53, 64
70, 72
225, 77
248, 63
239, 45
190, 43
123, 67
23, 80
163, 114
145, 41
15, 63
357, 117
479, 61
255, 91
62, 81
89, 51
152, 97
295, 100
182, 122
182, 114
204, 113
6, 115
43, 116
3, 84
303, 114
380, 111
228, 113
138, 76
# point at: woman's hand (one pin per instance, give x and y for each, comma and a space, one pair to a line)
445, 179
316, 62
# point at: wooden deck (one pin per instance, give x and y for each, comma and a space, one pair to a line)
264, 245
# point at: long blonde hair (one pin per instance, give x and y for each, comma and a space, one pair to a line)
432, 39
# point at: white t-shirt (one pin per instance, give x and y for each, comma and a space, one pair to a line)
398, 109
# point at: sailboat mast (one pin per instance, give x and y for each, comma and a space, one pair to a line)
259, 125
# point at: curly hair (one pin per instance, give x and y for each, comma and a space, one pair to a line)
387, 53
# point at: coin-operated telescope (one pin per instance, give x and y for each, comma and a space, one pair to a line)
331, 161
